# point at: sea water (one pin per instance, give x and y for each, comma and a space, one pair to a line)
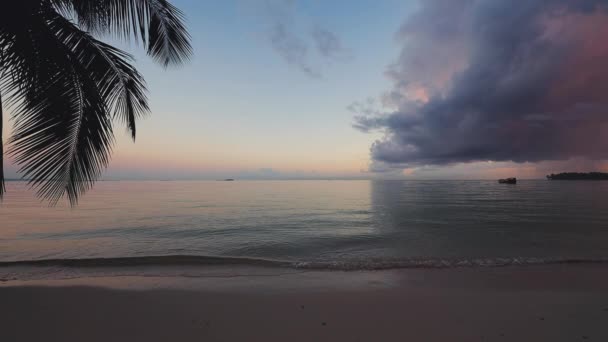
333, 224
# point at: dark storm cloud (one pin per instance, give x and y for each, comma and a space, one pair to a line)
496, 80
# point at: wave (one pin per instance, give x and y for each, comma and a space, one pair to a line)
343, 265
155, 260
442, 263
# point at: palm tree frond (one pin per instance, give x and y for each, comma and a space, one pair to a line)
2, 186
121, 85
156, 23
62, 134
64, 87
168, 40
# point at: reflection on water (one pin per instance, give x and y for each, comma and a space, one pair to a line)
485, 219
312, 220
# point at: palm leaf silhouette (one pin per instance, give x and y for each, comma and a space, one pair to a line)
65, 87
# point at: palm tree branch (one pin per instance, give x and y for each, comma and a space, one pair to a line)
63, 86
62, 135
122, 86
156, 23
2, 185
168, 40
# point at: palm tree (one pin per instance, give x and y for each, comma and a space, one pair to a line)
66, 88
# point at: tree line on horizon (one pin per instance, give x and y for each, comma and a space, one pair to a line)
578, 176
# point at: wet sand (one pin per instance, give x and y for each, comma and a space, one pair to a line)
534, 303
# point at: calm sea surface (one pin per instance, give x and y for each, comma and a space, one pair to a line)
364, 224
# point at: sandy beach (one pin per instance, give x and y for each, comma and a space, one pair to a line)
534, 303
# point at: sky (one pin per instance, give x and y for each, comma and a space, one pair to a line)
449, 89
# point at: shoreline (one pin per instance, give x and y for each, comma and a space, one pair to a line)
564, 302
367, 264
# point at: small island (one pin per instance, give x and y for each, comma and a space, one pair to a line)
578, 176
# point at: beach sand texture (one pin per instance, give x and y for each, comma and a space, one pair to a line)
534, 303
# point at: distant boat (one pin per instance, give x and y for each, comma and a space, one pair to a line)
511, 180
228, 180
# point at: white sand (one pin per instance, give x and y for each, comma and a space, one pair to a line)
535, 303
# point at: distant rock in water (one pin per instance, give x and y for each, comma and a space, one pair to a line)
229, 180
511, 180
578, 176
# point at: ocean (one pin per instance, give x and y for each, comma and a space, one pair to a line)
342, 225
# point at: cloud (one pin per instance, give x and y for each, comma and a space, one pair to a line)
293, 49
294, 44
484, 80
329, 45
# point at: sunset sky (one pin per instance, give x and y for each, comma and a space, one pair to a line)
451, 89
